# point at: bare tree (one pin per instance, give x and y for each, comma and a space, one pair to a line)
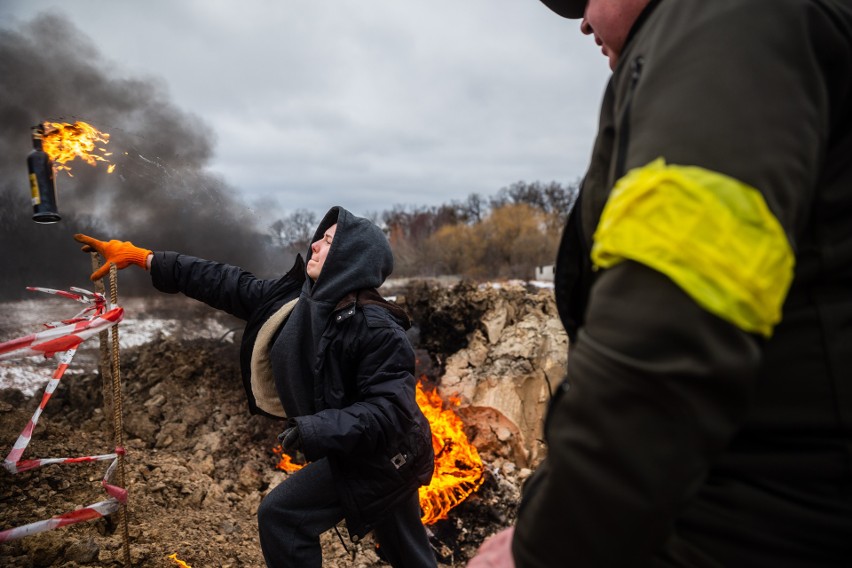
295, 231
475, 208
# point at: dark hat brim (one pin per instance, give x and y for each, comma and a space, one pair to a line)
567, 8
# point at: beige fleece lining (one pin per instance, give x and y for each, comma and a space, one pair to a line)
262, 381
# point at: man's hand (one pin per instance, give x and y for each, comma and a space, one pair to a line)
291, 441
120, 253
495, 552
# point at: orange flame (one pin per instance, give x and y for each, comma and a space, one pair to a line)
64, 142
458, 467
286, 463
178, 561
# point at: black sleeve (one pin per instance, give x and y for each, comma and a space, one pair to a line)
221, 286
656, 388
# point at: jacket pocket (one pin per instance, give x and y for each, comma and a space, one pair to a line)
414, 458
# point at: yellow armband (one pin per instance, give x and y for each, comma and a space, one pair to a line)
714, 236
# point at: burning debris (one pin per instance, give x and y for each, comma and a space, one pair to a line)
510, 357
285, 462
178, 561
458, 467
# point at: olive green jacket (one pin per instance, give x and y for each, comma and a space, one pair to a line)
682, 436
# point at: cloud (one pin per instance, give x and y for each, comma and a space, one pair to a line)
161, 195
365, 103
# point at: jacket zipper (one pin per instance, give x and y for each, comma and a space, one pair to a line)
624, 121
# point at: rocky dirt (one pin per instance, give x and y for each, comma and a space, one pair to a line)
198, 465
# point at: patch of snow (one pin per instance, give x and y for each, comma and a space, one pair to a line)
31, 374
133, 332
517, 283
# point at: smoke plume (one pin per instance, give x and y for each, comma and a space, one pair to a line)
160, 195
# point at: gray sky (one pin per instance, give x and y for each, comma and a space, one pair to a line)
365, 103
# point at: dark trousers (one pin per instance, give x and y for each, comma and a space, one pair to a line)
294, 515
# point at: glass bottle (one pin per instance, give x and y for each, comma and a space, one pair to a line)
42, 181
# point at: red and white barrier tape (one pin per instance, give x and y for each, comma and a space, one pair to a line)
60, 341
93, 511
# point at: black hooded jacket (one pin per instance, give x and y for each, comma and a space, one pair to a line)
338, 355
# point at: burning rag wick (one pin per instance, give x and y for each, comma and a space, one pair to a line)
179, 562
64, 142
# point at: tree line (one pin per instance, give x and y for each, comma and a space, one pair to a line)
503, 236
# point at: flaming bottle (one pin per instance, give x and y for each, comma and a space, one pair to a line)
42, 182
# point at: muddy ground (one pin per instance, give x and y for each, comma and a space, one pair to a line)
196, 469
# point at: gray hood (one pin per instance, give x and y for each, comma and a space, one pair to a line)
360, 257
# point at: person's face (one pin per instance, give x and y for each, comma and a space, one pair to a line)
609, 21
319, 252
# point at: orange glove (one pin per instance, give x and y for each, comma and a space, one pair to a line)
120, 253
